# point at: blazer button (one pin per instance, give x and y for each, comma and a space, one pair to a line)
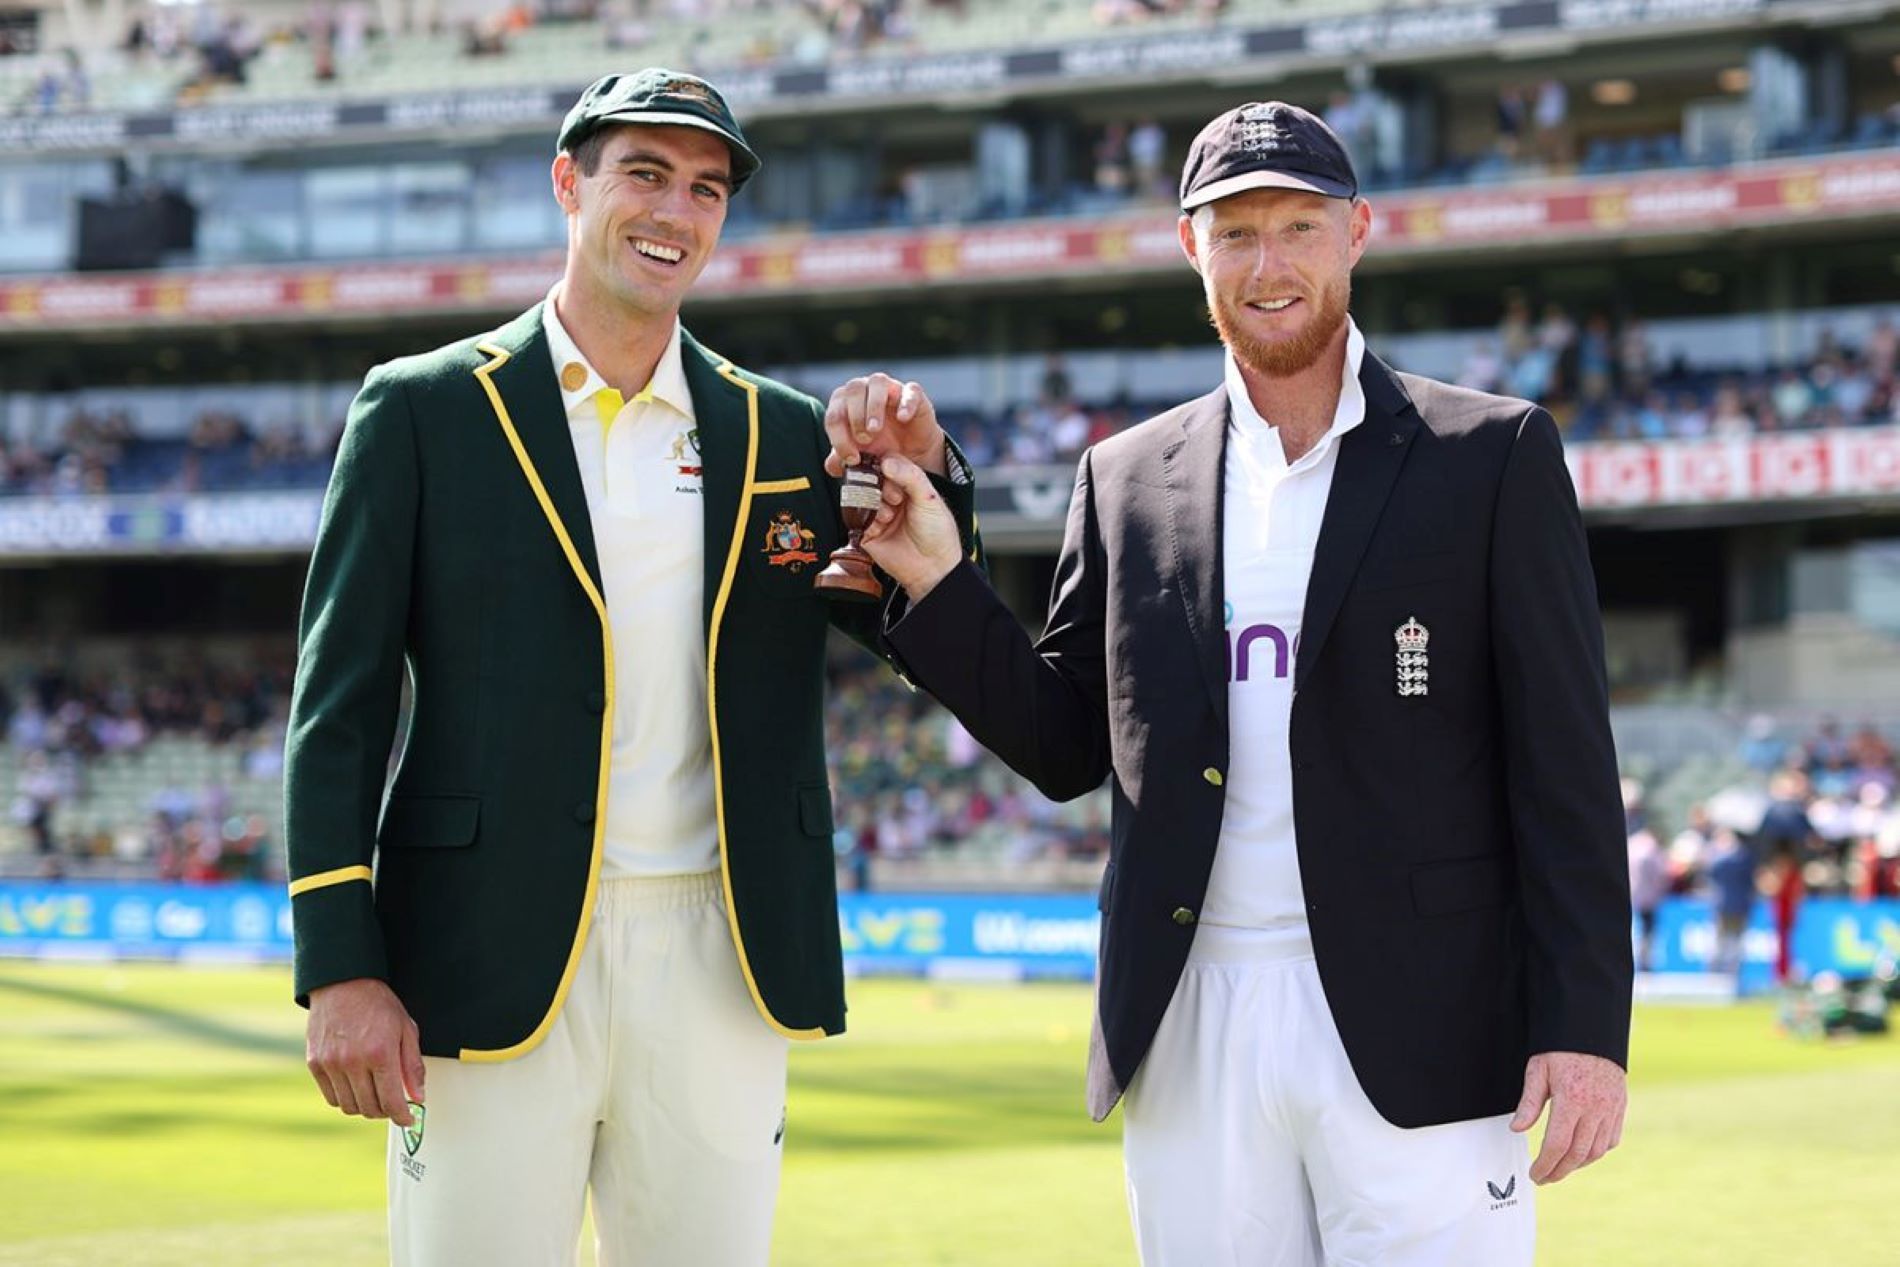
583, 813
596, 702
1212, 776
1183, 916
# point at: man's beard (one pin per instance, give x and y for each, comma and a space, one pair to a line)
1283, 357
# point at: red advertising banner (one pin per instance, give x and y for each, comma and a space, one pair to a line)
1412, 223
1805, 466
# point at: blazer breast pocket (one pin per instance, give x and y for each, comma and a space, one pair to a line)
789, 536
1406, 571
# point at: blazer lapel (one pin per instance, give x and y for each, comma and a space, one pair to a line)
725, 408
1195, 476
1370, 456
518, 377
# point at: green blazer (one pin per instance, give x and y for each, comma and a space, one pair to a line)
455, 544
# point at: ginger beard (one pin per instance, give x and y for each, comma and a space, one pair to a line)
1281, 357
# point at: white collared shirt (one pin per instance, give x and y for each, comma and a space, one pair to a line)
639, 464
1271, 525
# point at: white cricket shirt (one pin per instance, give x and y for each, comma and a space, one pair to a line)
639, 463
1271, 524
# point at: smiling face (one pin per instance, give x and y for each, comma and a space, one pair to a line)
1276, 266
642, 224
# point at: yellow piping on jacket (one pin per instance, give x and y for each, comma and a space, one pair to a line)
324, 879
501, 357
724, 370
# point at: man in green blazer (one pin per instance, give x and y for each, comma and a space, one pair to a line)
598, 897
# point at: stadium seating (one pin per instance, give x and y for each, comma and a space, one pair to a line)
954, 818
918, 804
160, 458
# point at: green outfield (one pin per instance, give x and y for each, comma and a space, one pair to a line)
156, 1116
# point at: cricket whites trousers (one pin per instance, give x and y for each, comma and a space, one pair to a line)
659, 1090
1249, 1143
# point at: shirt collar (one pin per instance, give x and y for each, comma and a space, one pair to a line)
578, 388
1350, 412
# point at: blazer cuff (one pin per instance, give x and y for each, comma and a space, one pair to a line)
1609, 1038
337, 937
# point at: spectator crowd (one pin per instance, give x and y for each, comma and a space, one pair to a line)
101, 451
1818, 817
60, 728
1602, 381
907, 779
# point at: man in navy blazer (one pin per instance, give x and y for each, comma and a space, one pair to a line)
1331, 633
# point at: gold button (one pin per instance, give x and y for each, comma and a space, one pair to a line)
573, 376
1212, 776
1183, 916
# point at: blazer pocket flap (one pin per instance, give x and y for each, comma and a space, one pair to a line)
1468, 884
1410, 569
814, 810
430, 822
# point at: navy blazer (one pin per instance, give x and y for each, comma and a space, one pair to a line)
1461, 851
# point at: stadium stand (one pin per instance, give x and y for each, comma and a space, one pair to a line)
1660, 313
1601, 383
271, 54
175, 773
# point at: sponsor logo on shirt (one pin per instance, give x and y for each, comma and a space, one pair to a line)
1247, 659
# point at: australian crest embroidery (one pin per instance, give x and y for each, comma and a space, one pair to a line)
789, 543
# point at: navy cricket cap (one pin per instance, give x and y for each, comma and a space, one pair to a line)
1266, 145
657, 96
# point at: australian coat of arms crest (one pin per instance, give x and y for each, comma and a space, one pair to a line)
789, 543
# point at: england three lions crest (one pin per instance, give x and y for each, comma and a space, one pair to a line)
1414, 664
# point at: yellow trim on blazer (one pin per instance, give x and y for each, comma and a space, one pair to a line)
747, 489
501, 357
324, 879
798, 485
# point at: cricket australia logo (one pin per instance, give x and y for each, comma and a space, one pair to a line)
412, 1141
1414, 663
1505, 1197
789, 543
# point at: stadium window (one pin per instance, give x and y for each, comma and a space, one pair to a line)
249, 214
430, 206
512, 205
349, 211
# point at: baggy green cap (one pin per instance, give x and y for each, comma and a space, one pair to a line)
659, 97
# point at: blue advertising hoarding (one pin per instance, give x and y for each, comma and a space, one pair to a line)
144, 921
1004, 935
